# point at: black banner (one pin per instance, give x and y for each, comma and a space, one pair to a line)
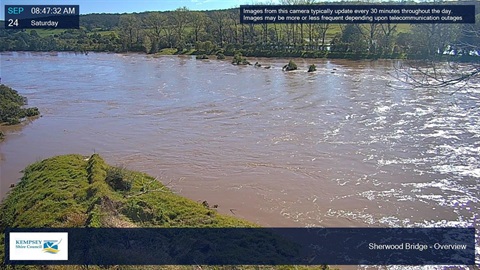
254, 14
255, 246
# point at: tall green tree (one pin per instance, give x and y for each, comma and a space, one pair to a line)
199, 21
129, 31
353, 38
387, 37
179, 19
155, 22
430, 40
219, 26
370, 35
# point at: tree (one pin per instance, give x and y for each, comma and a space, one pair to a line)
387, 37
431, 39
129, 30
155, 22
199, 22
234, 25
238, 59
219, 19
353, 37
147, 43
11, 106
370, 34
169, 32
435, 73
179, 19
470, 39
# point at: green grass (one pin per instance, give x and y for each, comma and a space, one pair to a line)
52, 191
74, 191
49, 32
404, 28
107, 33
77, 191
167, 51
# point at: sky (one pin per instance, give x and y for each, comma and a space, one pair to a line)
129, 6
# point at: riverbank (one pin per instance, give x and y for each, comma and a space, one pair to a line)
286, 54
95, 194
74, 191
317, 54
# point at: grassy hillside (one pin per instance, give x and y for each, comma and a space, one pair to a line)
74, 191
79, 191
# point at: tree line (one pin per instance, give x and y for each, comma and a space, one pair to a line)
220, 31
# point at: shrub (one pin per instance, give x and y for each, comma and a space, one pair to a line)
290, 66
13, 121
29, 112
201, 57
119, 179
220, 56
11, 103
238, 59
312, 68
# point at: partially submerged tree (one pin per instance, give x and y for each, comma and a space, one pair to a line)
290, 66
453, 57
440, 75
238, 59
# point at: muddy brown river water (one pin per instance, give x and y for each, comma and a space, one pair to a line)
344, 146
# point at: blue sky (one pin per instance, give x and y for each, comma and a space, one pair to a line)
122, 6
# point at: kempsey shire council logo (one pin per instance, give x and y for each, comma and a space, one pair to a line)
38, 246
51, 246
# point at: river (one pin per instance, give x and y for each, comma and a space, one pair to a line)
344, 146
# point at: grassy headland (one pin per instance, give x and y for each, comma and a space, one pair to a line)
75, 191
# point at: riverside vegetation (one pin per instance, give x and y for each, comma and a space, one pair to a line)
74, 191
183, 31
11, 107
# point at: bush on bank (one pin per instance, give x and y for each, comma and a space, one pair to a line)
11, 106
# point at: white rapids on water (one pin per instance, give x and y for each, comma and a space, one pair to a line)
344, 146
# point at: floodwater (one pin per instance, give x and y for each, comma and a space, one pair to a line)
344, 146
